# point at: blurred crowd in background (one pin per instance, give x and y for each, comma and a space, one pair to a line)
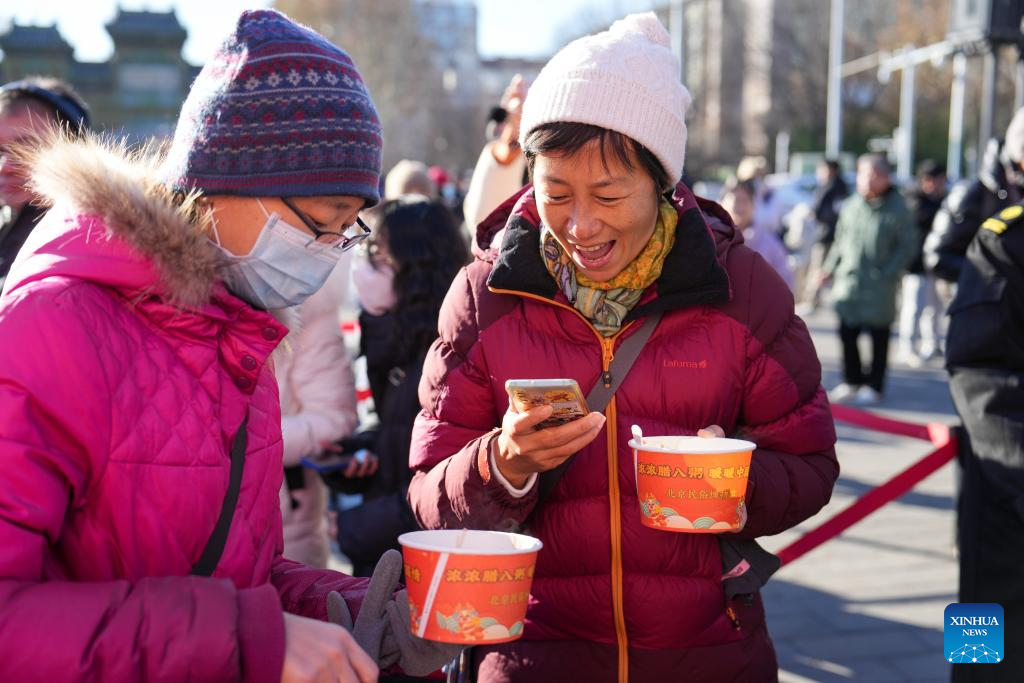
884, 251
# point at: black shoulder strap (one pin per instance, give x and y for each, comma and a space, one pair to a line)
207, 562
601, 394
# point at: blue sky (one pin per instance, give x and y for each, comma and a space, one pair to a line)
506, 27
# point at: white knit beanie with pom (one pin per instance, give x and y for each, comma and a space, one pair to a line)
624, 79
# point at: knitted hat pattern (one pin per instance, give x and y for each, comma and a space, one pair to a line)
278, 111
624, 79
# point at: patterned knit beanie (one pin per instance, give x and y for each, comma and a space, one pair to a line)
625, 79
278, 112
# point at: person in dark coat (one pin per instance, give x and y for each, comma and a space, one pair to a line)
985, 359
999, 184
401, 280
27, 109
828, 199
920, 310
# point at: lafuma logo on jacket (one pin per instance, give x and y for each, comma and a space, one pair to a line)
685, 364
973, 633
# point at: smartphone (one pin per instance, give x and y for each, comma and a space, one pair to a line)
328, 463
563, 395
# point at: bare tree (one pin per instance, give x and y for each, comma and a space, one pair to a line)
871, 105
914, 23
799, 73
396, 59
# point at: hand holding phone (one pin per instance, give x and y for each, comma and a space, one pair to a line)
525, 446
563, 395
362, 463
334, 462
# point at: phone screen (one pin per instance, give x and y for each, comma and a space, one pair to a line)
562, 395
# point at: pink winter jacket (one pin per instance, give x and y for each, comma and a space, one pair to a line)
125, 371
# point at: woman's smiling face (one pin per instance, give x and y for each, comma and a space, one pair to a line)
601, 211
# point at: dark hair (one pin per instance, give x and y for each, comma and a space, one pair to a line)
428, 250
65, 106
929, 168
878, 161
562, 138
497, 115
733, 184
832, 165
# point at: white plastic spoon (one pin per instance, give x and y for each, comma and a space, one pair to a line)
638, 435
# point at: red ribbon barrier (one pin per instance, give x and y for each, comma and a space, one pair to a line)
937, 434
347, 327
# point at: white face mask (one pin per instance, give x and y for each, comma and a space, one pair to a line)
284, 268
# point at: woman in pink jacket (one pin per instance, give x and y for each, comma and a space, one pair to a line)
134, 382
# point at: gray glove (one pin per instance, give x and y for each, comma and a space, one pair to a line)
337, 612
417, 657
372, 621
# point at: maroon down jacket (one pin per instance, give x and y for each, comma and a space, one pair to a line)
614, 600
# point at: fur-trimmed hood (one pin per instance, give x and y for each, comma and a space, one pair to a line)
96, 184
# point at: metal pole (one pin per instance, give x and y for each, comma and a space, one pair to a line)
905, 150
782, 152
955, 152
990, 66
676, 23
834, 116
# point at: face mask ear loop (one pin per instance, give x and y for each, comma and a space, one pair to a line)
213, 224
263, 208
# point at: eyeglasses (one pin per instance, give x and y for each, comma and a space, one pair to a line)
345, 240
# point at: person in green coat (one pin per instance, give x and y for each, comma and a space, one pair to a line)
875, 242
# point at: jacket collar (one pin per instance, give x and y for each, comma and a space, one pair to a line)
693, 274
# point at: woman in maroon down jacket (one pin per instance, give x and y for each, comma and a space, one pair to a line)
564, 272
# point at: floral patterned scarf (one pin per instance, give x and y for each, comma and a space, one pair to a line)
605, 304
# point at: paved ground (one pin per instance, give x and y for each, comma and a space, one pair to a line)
868, 605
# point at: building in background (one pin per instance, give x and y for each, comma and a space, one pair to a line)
756, 68
758, 71
471, 85
450, 26
497, 73
429, 82
136, 93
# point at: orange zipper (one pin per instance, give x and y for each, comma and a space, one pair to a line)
615, 521
615, 509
